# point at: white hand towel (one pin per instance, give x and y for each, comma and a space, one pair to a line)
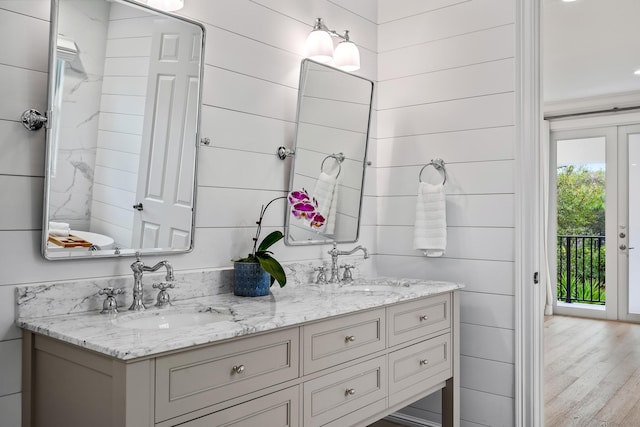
326, 193
61, 229
58, 225
430, 233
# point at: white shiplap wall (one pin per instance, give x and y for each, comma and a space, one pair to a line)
445, 71
253, 55
446, 89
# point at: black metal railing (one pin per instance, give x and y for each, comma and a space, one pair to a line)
581, 267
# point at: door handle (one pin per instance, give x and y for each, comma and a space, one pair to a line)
138, 206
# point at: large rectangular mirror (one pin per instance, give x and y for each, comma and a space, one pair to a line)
122, 135
332, 131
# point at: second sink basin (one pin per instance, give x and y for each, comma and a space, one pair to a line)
170, 319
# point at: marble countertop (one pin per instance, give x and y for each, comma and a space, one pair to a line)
289, 306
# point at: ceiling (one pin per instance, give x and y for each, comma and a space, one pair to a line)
590, 48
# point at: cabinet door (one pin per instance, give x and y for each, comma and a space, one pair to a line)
344, 392
418, 319
279, 409
416, 369
199, 378
331, 342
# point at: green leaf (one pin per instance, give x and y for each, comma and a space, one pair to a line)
271, 238
273, 267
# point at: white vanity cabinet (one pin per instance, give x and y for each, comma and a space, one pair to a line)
348, 370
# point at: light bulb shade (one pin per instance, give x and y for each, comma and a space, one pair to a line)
347, 56
319, 46
166, 5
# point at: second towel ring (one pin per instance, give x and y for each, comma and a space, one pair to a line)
339, 158
439, 165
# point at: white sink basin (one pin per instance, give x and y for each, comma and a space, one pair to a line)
170, 319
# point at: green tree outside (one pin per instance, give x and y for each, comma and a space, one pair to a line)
581, 230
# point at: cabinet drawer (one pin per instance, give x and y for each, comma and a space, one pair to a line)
417, 319
195, 379
343, 392
335, 341
278, 409
419, 367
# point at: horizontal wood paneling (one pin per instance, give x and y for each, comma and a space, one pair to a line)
245, 132
493, 210
29, 46
247, 94
447, 22
25, 212
391, 11
487, 342
447, 90
480, 374
455, 115
454, 147
8, 329
240, 169
28, 89
486, 409
22, 151
454, 52
10, 368
488, 276
10, 407
494, 244
487, 309
472, 81
462, 178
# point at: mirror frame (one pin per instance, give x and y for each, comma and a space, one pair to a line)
116, 252
287, 240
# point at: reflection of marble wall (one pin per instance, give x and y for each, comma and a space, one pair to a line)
85, 23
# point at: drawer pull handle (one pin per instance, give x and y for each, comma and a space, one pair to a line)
424, 362
238, 369
350, 338
424, 317
350, 392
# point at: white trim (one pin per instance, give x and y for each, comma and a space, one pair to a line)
575, 123
528, 301
593, 103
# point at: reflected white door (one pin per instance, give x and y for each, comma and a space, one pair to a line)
168, 146
629, 223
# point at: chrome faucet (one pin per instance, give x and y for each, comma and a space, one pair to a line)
139, 268
335, 272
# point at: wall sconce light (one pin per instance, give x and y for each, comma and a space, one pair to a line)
166, 5
319, 47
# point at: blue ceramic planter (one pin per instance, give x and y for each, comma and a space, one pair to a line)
250, 280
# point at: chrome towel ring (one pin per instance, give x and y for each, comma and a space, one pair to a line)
339, 158
439, 165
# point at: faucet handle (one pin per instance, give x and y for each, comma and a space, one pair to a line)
322, 277
109, 305
347, 276
163, 286
163, 298
110, 291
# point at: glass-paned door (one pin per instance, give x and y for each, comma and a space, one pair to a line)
629, 223
581, 180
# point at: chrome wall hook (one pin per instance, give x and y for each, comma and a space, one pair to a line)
32, 119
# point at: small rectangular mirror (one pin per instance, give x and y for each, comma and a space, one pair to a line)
330, 148
122, 136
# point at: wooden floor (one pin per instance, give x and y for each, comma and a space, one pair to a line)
591, 373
